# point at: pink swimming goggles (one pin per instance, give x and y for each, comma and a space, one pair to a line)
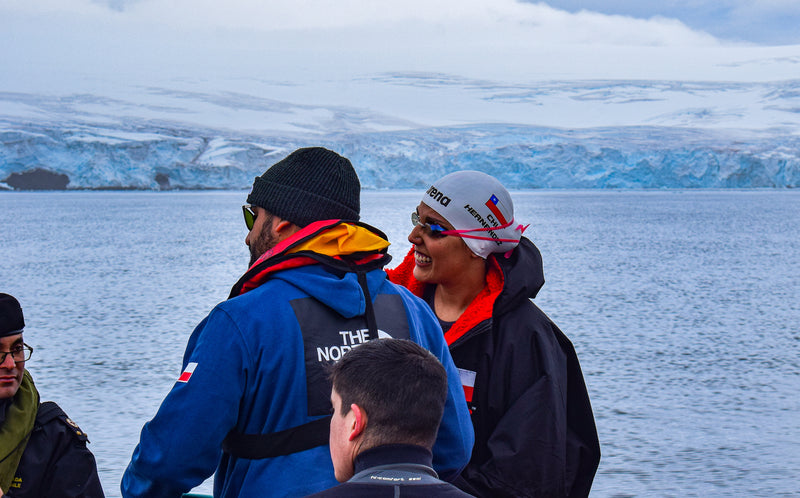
438, 231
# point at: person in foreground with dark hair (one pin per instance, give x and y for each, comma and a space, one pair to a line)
252, 404
42, 452
388, 396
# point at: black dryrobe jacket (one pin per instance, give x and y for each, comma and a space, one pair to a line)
535, 434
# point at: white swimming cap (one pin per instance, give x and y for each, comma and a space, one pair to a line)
479, 208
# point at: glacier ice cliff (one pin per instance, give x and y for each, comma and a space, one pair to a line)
166, 156
403, 130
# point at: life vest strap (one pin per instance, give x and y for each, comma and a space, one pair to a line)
293, 440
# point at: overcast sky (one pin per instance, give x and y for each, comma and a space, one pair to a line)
42, 42
756, 21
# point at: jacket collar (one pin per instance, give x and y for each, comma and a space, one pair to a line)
479, 310
389, 454
346, 246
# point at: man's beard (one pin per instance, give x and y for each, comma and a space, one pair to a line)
265, 241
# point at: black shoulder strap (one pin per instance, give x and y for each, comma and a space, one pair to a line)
49, 411
369, 312
293, 440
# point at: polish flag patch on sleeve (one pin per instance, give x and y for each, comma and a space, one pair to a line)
187, 372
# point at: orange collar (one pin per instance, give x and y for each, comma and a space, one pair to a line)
479, 309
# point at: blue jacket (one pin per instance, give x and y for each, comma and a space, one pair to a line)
245, 369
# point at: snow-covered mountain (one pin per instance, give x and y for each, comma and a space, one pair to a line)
403, 130
187, 94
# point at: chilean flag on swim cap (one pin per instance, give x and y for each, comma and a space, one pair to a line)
492, 204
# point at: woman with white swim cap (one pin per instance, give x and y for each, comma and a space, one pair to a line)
534, 429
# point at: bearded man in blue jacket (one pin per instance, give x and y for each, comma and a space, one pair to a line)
252, 402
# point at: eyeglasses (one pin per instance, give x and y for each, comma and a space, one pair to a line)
249, 216
435, 231
18, 354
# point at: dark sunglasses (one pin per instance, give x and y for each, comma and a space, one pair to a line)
435, 231
249, 216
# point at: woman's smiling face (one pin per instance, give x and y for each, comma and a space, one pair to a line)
438, 259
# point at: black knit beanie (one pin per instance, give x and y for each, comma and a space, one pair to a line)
11, 320
309, 185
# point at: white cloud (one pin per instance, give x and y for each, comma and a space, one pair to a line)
335, 55
49, 44
480, 21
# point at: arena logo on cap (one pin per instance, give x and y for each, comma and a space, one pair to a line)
438, 196
494, 205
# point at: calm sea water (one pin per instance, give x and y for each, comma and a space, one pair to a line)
684, 307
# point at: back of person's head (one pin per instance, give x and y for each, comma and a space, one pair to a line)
11, 320
478, 206
310, 184
400, 385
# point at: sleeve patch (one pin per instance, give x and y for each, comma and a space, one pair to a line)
187, 372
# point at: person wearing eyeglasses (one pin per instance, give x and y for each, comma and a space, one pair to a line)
534, 428
252, 402
42, 451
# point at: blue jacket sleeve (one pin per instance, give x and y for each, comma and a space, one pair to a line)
180, 447
453, 447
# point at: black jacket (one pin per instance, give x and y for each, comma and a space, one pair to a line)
391, 471
56, 462
534, 429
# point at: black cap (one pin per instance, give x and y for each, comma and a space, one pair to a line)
309, 185
11, 320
